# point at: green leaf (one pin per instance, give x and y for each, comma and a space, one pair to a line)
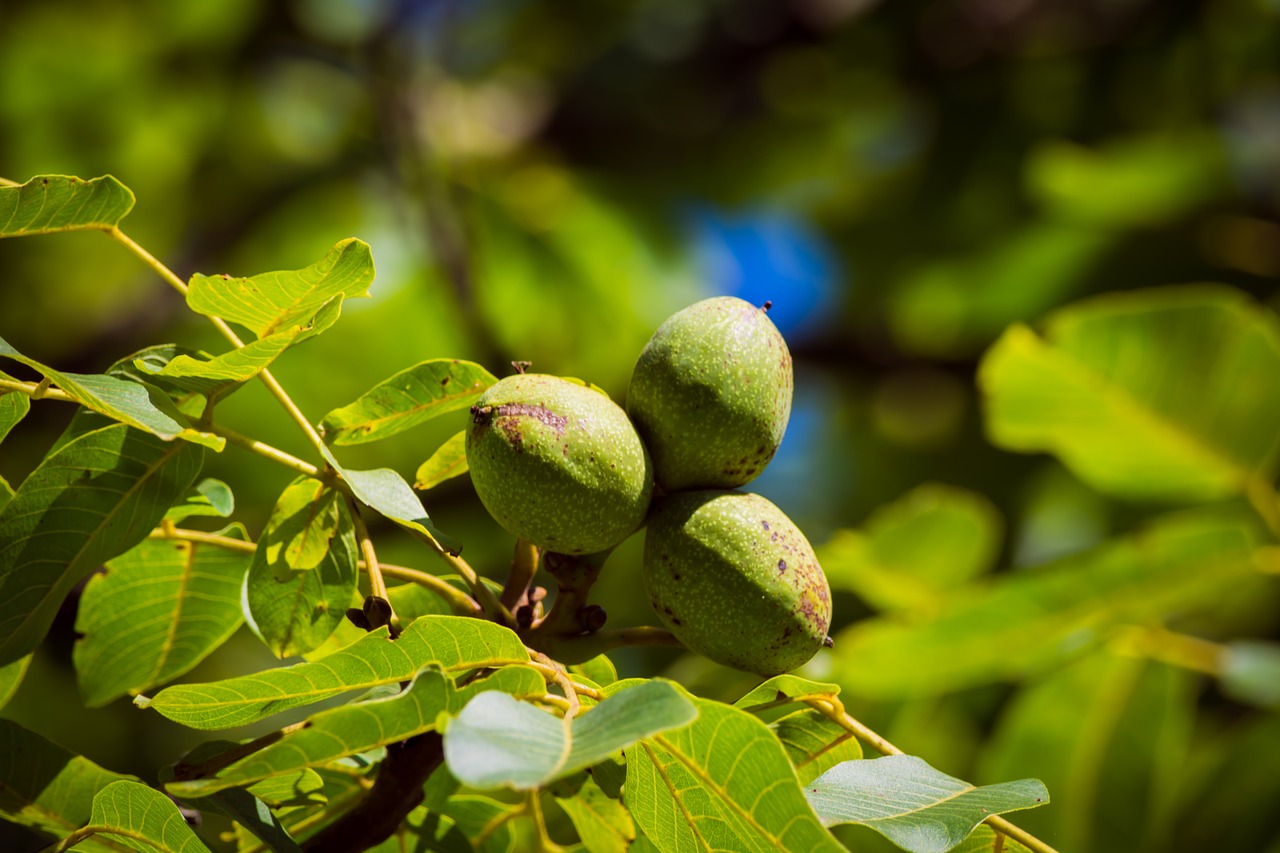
453, 643
273, 302
360, 727
1251, 672
94, 498
911, 553
984, 839
208, 497
252, 814
46, 787
449, 461
1109, 735
189, 393
134, 403
499, 741
913, 805
305, 570
722, 783
814, 743
1128, 182
426, 831
604, 825
1032, 619
13, 408
160, 609
47, 204
409, 601
141, 818
240, 365
411, 397
782, 690
599, 670
474, 816
387, 493
11, 675
292, 789
1162, 394
6, 493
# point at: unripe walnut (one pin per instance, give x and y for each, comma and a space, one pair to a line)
558, 464
711, 394
735, 580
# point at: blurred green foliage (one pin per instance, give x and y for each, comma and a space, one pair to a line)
547, 182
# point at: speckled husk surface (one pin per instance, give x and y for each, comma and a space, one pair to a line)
558, 464
711, 394
735, 580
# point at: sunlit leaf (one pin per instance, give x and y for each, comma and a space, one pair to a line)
360, 727
814, 743
387, 493
602, 822
722, 783
13, 408
426, 831
499, 741
50, 203
1251, 672
1031, 619
46, 787
910, 553
453, 643
189, 393
449, 460
240, 365
411, 397
1162, 394
141, 818
985, 840
783, 689
290, 789
94, 498
159, 609
274, 302
305, 570
599, 670
133, 403
913, 805
208, 497
409, 601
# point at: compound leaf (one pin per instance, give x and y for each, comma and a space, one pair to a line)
363, 726
453, 643
240, 365
449, 460
46, 787
274, 302
913, 805
499, 741
305, 570
92, 499
159, 609
722, 783
47, 204
137, 404
411, 397
1163, 394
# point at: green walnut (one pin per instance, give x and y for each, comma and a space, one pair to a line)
711, 394
735, 580
558, 464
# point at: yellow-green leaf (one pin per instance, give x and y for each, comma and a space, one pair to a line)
47, 204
